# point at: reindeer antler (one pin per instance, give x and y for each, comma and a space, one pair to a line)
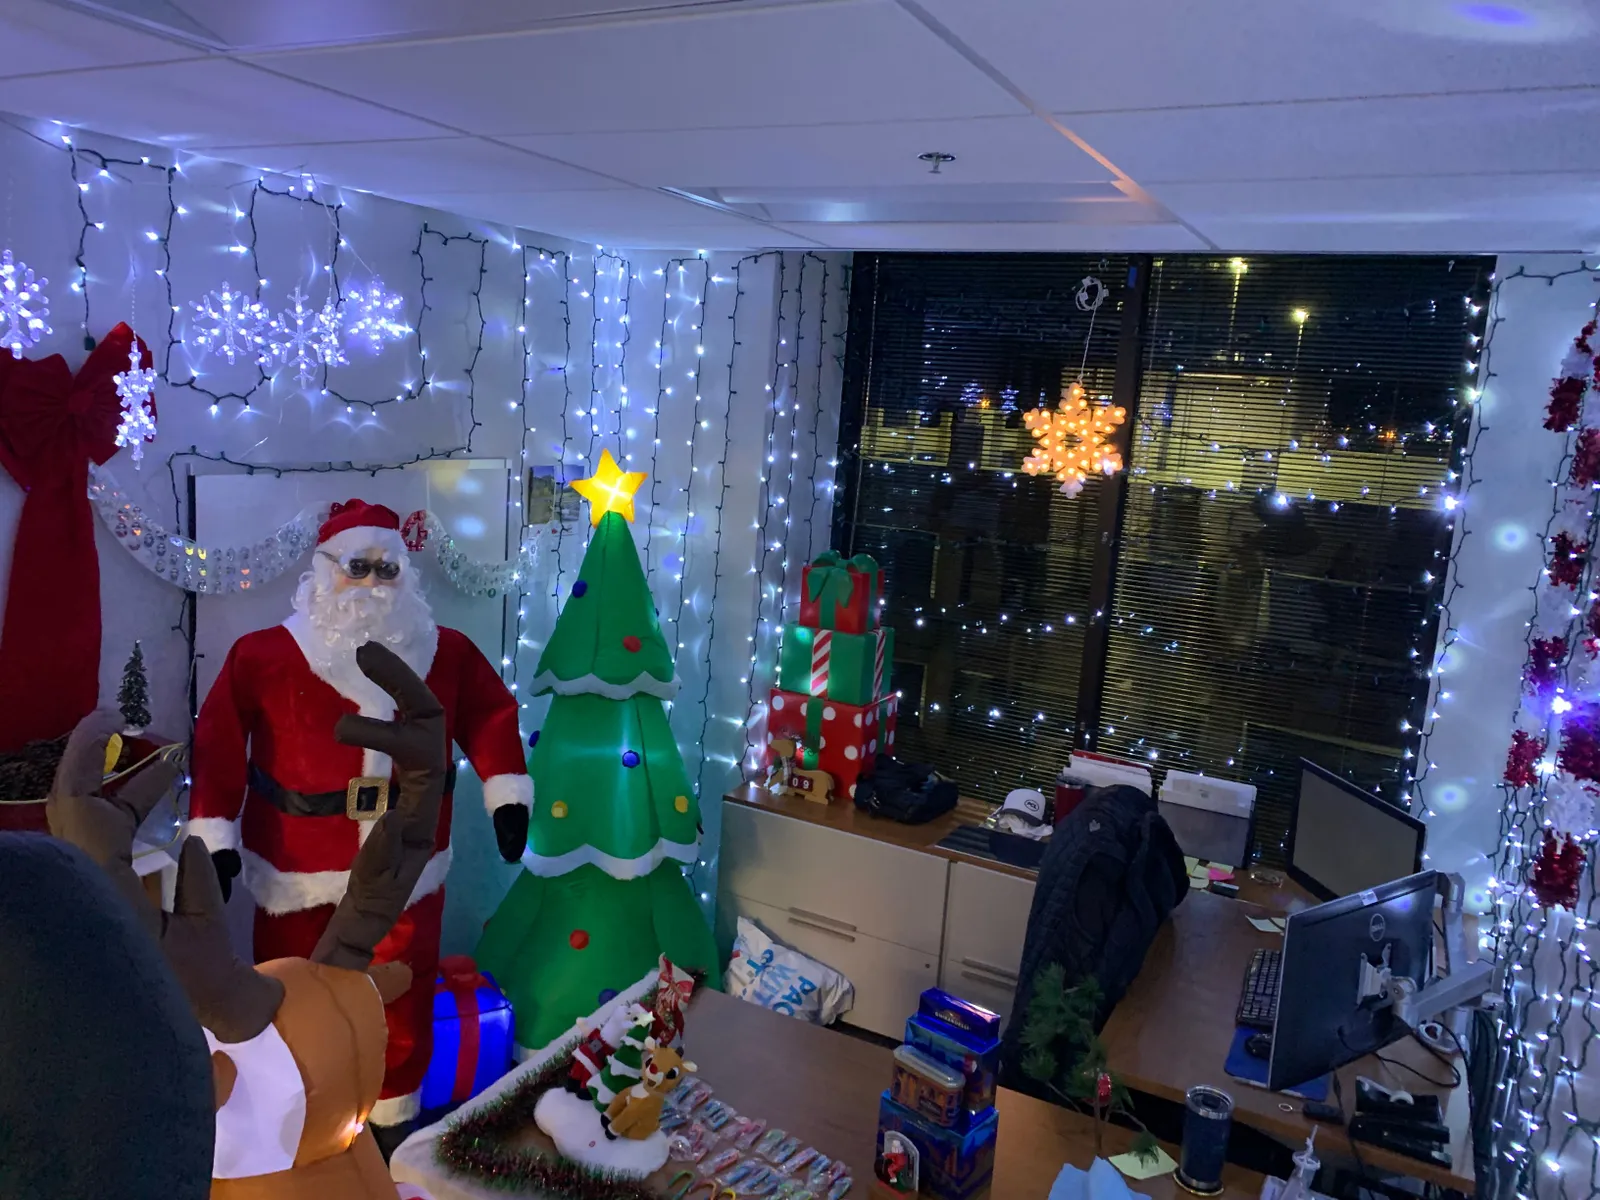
229, 998
390, 863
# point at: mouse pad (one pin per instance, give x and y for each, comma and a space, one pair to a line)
1244, 1066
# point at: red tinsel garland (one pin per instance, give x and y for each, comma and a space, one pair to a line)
1566, 560
1522, 759
1580, 741
1586, 459
1567, 393
1557, 871
1543, 672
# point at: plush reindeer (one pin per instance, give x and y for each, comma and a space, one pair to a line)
636, 1112
297, 1044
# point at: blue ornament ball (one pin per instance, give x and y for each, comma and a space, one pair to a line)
607, 995
533, 739
630, 758
579, 588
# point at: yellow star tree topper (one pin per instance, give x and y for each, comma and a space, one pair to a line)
1073, 440
609, 489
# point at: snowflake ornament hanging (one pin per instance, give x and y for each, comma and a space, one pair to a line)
134, 389
300, 335
373, 315
23, 305
1073, 440
230, 323
329, 324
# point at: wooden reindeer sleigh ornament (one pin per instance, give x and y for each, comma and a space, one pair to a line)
298, 1044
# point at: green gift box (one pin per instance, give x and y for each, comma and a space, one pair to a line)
852, 667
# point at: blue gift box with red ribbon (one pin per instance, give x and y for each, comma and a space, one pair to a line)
472, 1031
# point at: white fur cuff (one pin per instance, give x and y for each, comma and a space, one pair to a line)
501, 790
394, 1109
218, 833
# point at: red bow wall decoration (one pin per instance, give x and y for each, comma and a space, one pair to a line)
52, 423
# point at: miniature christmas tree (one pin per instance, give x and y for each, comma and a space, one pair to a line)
1061, 1051
602, 894
623, 1068
133, 697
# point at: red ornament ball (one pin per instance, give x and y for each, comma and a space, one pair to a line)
578, 939
631, 644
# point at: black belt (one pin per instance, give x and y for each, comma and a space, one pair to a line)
317, 804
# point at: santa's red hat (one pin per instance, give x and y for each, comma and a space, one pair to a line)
355, 525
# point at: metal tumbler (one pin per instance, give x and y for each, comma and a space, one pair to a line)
1207, 1120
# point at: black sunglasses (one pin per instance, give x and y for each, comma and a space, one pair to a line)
360, 568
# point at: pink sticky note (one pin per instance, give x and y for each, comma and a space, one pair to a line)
1220, 874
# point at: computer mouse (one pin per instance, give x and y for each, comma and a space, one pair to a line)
1259, 1045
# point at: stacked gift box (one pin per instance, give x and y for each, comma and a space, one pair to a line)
472, 1032
833, 711
941, 1099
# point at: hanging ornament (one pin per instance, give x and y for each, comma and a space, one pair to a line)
230, 323
329, 325
373, 314
297, 336
1557, 870
23, 305
414, 531
1091, 293
1073, 440
134, 388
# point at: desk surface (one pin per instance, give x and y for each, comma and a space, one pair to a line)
1174, 1027
824, 1087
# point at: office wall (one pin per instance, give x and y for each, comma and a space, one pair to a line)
722, 383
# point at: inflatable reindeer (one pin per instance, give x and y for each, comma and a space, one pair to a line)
297, 1044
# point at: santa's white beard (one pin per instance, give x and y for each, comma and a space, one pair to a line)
343, 620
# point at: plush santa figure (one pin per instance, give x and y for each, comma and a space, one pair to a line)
276, 796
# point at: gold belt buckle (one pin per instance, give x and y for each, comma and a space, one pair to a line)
366, 798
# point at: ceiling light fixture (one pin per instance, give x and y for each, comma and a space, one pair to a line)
937, 159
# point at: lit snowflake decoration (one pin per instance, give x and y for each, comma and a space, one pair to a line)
231, 324
1073, 440
373, 315
302, 336
134, 388
23, 306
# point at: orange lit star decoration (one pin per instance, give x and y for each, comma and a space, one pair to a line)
609, 489
1073, 440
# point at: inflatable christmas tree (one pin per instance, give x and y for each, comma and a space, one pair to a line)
602, 893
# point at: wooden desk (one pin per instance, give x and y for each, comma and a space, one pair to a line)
847, 818
824, 1086
1174, 1027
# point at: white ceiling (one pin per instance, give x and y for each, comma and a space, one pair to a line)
1239, 125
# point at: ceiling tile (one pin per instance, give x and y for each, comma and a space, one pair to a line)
880, 153
1003, 237
203, 102
392, 167
40, 37
1494, 132
1466, 214
772, 66
1144, 54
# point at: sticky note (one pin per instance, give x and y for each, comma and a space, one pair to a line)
1220, 874
1198, 881
1266, 925
1135, 1167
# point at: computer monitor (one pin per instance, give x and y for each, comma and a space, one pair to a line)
1343, 840
1330, 1010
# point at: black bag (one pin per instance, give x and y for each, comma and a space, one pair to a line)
907, 792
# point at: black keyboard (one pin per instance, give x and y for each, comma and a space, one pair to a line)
1258, 1004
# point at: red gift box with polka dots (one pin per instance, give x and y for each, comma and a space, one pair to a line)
842, 740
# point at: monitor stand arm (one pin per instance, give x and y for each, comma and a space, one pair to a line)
1462, 983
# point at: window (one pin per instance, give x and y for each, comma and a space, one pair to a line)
1263, 581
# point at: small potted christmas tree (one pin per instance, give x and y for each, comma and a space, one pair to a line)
133, 697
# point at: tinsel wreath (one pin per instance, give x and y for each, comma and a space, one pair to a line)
1567, 392
1522, 759
1557, 871
1543, 672
1567, 558
1580, 742
1586, 459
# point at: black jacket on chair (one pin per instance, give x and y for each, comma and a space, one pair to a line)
1112, 874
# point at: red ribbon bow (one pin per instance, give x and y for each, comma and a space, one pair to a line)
52, 423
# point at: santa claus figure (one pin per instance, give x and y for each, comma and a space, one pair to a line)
277, 797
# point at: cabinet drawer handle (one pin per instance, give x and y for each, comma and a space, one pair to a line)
822, 929
992, 981
818, 919
1000, 972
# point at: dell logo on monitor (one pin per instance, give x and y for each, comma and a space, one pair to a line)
1376, 927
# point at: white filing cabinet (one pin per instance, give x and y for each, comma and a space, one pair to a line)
894, 920
985, 923
870, 910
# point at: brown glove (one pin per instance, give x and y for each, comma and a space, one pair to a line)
390, 863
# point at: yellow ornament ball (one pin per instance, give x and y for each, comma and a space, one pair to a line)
681, 804
558, 809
